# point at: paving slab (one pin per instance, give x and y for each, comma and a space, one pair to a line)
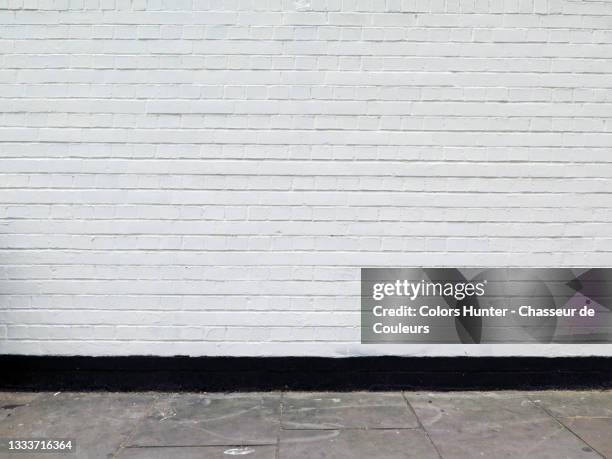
12, 402
575, 403
98, 421
476, 424
211, 420
596, 432
356, 444
330, 410
199, 452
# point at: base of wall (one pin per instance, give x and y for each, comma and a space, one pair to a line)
301, 373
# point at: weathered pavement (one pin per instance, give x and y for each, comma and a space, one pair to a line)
273, 425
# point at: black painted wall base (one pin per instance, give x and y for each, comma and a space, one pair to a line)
301, 373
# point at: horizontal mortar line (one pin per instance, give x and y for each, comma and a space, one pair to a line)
353, 299
317, 251
98, 46
213, 295
311, 251
221, 295
204, 84
292, 188
180, 295
208, 295
54, 174
575, 161
316, 236
237, 25
184, 341
40, 35
502, 102
259, 159
330, 221
234, 115
183, 310
313, 68
330, 268
360, 157
341, 206
202, 327
52, 51
217, 143
594, 220
357, 114
263, 172
283, 12
24, 86
350, 27
419, 100
327, 145
263, 160
339, 190
505, 103
290, 72
405, 71
352, 100
343, 189
118, 266
290, 295
213, 281
91, 38
556, 208
229, 117
323, 67
248, 99
246, 325
134, 295
339, 41
321, 130
321, 72
6, 222
58, 14
245, 25
176, 341
313, 192
75, 174
376, 130
180, 310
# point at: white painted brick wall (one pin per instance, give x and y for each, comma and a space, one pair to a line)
206, 177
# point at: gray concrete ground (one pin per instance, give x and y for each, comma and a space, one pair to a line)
292, 425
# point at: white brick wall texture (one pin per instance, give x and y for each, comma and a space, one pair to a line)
206, 177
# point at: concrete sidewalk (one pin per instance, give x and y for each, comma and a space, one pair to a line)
451, 425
